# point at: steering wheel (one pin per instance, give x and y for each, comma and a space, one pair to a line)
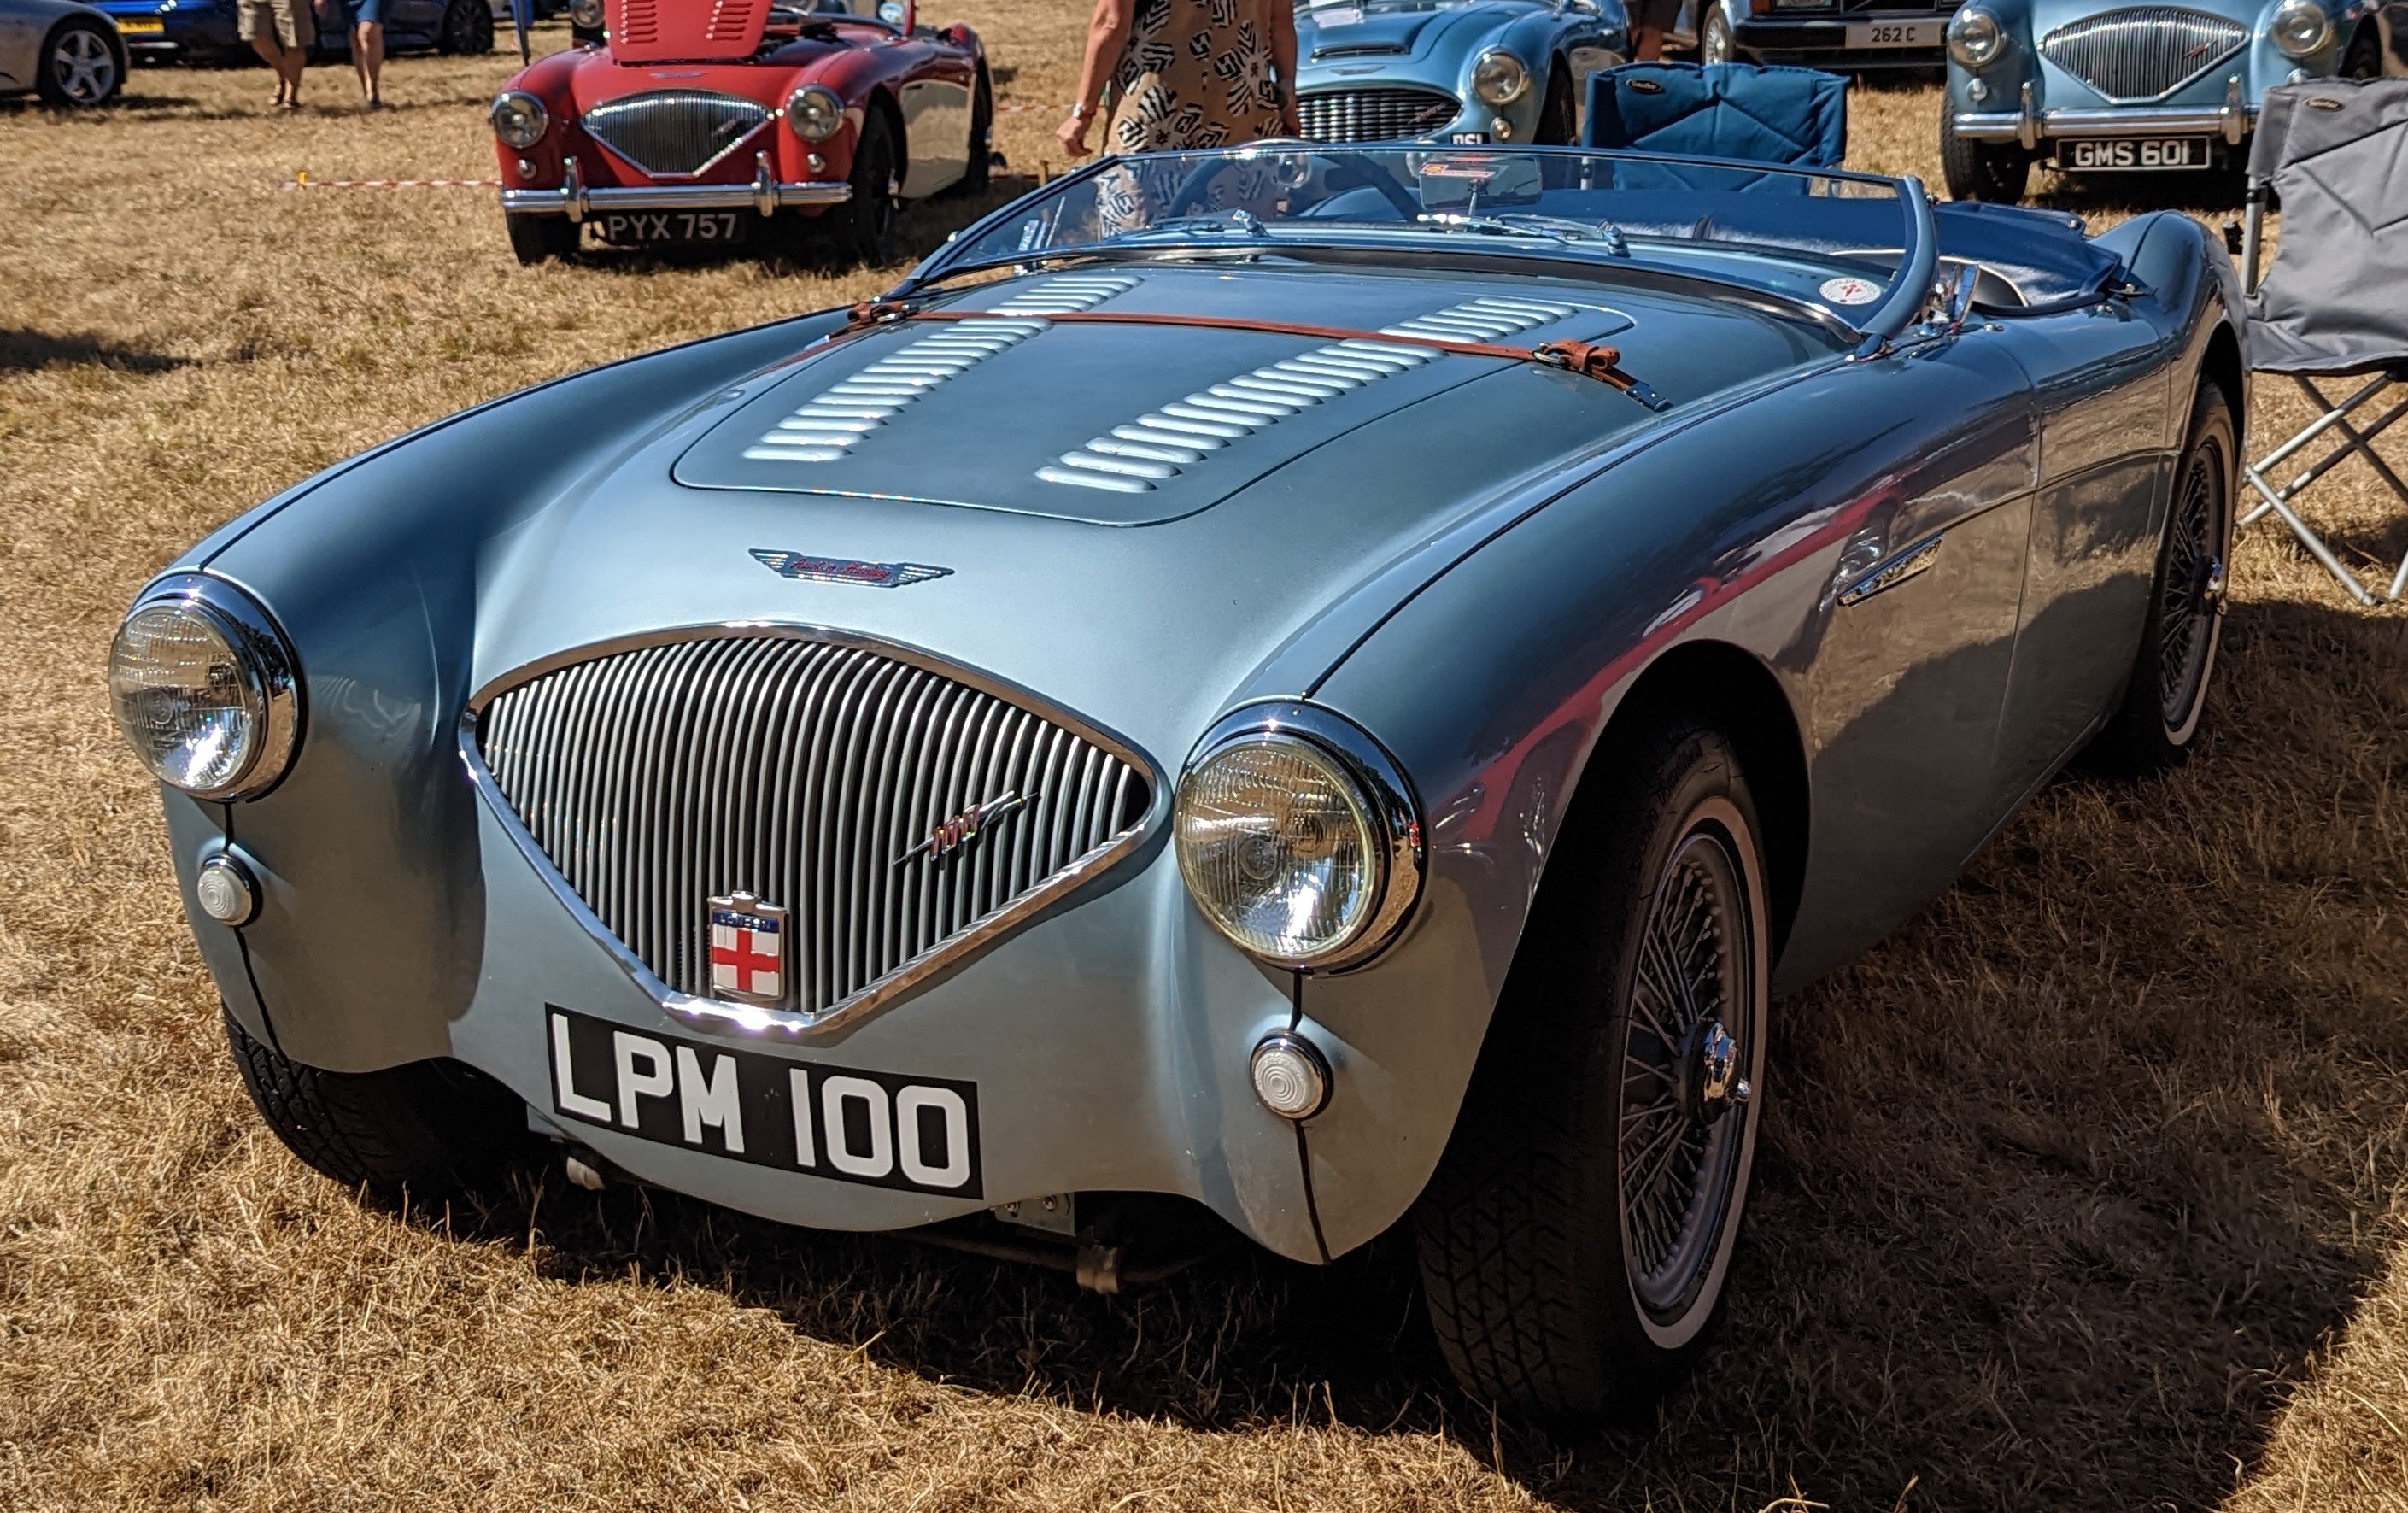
1190, 198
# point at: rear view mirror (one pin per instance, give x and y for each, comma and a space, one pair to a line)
1469, 183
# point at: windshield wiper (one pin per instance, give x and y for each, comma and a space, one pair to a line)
1514, 224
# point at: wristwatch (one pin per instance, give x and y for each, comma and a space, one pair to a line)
1083, 112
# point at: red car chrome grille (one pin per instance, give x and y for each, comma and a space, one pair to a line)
675, 133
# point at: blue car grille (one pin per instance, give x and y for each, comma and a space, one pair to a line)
675, 133
813, 775
1383, 113
2142, 53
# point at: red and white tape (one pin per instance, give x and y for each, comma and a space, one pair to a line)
303, 180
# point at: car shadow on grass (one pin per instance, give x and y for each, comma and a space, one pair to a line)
2053, 1205
24, 349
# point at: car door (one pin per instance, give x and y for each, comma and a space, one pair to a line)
2105, 461
1906, 687
20, 39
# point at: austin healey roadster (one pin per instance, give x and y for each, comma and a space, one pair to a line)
1294, 690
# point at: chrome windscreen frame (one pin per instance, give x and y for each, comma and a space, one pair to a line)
1097, 871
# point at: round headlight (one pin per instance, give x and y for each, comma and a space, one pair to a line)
1296, 838
204, 688
814, 112
585, 13
2300, 28
1500, 77
517, 119
1975, 38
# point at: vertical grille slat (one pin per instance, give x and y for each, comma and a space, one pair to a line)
2143, 52
796, 770
1374, 113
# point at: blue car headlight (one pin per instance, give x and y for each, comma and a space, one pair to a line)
204, 688
1297, 838
2300, 28
1975, 38
1500, 77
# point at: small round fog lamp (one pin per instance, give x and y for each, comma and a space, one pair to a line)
1290, 1076
225, 891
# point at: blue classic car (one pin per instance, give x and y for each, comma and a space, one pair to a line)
1451, 70
203, 30
1854, 36
2135, 89
1271, 691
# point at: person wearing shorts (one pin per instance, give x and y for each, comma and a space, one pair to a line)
1649, 20
281, 32
368, 49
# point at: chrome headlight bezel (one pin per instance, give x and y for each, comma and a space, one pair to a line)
2316, 38
1381, 795
814, 112
585, 13
262, 661
519, 119
1975, 38
1499, 77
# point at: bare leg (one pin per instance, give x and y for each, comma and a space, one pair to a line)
1650, 44
290, 66
367, 56
272, 55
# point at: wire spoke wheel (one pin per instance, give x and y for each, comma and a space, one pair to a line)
1686, 1045
2192, 580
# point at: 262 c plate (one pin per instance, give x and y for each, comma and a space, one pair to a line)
2136, 154
919, 1134
676, 228
1895, 33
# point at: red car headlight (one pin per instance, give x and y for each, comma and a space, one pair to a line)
814, 112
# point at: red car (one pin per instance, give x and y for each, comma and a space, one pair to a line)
730, 121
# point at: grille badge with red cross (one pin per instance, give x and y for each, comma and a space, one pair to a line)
748, 950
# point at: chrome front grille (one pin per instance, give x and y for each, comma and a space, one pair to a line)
2142, 53
675, 133
1380, 114
809, 773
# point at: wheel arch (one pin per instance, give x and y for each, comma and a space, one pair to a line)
882, 100
1731, 690
2221, 366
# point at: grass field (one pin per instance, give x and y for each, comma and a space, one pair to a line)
2086, 1190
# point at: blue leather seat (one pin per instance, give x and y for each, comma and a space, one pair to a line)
1796, 117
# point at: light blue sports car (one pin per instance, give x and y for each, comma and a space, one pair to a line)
2137, 89
1265, 691
1451, 70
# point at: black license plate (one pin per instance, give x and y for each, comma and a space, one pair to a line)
2137, 153
919, 1134
640, 228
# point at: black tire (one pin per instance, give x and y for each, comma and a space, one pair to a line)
2365, 57
1998, 172
2166, 698
1552, 1284
1559, 115
1714, 41
467, 28
863, 225
426, 1129
982, 169
80, 66
535, 237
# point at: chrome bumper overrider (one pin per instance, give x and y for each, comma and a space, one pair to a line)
2233, 121
765, 193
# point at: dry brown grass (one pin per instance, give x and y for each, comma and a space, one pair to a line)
2086, 1190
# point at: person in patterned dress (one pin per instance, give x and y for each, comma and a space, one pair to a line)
1186, 74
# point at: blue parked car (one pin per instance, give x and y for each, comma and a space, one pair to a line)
1262, 691
2137, 89
1451, 70
203, 30
1853, 36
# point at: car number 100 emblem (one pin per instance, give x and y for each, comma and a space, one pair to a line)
748, 950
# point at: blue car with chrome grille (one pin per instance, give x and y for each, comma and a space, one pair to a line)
1256, 694
1451, 70
2141, 89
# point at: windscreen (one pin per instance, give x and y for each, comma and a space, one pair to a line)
1565, 201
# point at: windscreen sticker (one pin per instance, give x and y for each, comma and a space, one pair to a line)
1847, 289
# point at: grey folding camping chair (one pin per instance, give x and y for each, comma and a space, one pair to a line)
2335, 305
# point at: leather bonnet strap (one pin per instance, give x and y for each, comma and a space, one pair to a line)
1588, 359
